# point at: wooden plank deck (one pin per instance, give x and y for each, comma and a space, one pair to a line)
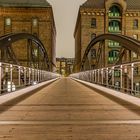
67, 110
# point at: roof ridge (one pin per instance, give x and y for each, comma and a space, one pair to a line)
24, 3
99, 4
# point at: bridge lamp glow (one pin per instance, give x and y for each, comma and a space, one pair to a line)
10, 85
35, 82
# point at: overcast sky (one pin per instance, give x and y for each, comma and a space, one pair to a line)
65, 14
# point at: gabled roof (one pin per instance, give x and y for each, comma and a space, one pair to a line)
100, 4
24, 3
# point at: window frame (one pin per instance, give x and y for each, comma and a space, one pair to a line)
93, 23
6, 22
135, 24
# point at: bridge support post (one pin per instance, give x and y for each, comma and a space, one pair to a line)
107, 77
29, 82
19, 76
98, 76
32, 71
95, 74
11, 76
113, 80
121, 77
0, 78
102, 76
132, 77
25, 76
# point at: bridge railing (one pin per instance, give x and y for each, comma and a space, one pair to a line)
124, 78
14, 77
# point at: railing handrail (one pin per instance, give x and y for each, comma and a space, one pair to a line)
14, 76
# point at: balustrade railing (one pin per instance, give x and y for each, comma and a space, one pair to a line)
124, 78
14, 77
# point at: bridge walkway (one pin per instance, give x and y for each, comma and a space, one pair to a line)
68, 110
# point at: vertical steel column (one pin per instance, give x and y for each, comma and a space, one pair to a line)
11, 76
106, 76
95, 76
113, 80
121, 76
33, 78
29, 82
38, 77
24, 76
102, 76
98, 76
19, 76
132, 77
36, 74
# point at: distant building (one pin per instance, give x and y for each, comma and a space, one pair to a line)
97, 17
64, 66
29, 16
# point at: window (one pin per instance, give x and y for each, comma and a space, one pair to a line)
35, 52
7, 21
114, 26
35, 22
113, 56
114, 11
117, 73
112, 43
134, 55
135, 37
135, 24
93, 22
136, 70
93, 53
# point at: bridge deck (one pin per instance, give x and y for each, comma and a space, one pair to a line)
67, 110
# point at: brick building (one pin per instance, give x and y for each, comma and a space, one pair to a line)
29, 16
64, 66
97, 17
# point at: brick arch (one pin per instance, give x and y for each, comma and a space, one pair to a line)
121, 3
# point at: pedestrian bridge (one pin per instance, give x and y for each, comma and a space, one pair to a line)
67, 109
89, 105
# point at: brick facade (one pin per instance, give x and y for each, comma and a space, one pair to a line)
99, 10
35, 20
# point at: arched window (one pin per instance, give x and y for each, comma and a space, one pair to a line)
114, 26
114, 11
113, 56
